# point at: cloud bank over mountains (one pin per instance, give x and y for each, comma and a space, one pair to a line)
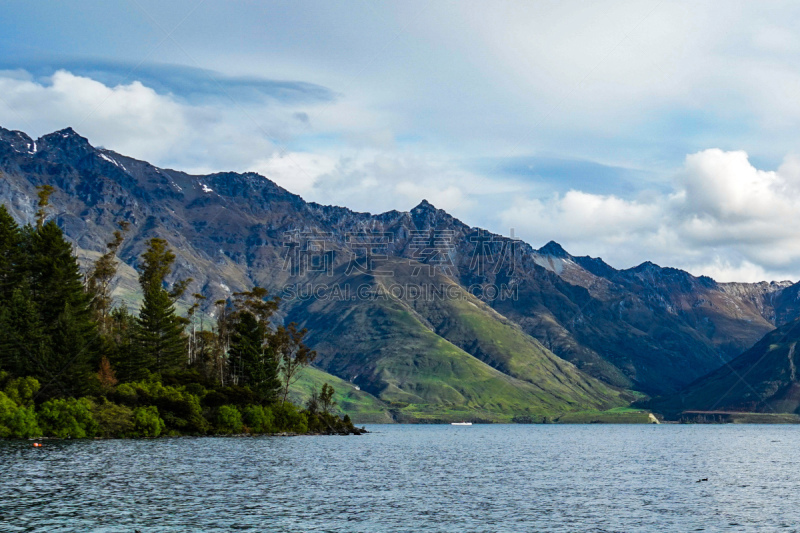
721, 217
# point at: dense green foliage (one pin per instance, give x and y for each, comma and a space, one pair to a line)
67, 417
74, 366
15, 420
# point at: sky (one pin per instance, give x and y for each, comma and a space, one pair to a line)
630, 130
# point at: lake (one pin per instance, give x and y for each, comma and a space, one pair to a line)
483, 478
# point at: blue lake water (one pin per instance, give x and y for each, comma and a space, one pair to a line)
414, 478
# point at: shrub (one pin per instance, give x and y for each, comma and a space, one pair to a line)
315, 422
229, 420
22, 390
288, 418
113, 420
231, 395
16, 421
126, 393
259, 419
138, 392
179, 409
67, 418
182, 411
195, 389
146, 422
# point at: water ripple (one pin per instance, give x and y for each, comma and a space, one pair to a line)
415, 479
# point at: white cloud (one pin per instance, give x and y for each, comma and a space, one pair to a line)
725, 186
132, 118
743, 271
135, 120
377, 181
297, 172
724, 218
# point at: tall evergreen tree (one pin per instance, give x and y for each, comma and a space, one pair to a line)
55, 276
56, 288
254, 357
160, 332
245, 348
73, 355
46, 329
126, 358
159, 329
25, 346
10, 239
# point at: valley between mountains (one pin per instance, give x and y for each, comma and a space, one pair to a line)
416, 316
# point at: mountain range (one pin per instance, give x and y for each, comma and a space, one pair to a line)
415, 315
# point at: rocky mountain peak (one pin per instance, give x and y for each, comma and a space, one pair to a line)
424, 215
18, 141
647, 266
66, 135
67, 141
425, 206
554, 249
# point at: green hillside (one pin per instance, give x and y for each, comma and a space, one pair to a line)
392, 351
476, 328
362, 407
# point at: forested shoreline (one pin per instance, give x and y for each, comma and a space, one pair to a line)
75, 365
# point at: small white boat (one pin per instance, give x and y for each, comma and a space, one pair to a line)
460, 423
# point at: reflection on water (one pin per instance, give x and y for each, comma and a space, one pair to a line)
413, 478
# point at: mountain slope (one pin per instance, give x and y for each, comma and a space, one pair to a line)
361, 406
764, 379
660, 328
475, 360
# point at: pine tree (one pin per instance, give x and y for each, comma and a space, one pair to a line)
160, 332
56, 289
10, 240
55, 276
24, 344
159, 329
125, 355
245, 350
73, 352
254, 357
